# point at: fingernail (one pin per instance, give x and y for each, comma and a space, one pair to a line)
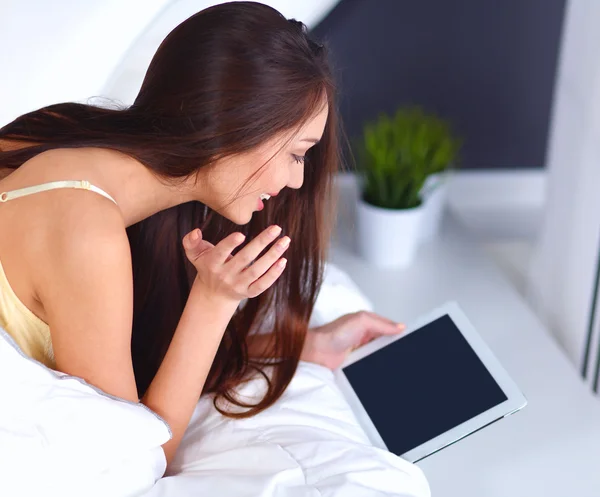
274, 230
240, 237
401, 326
284, 242
195, 235
282, 263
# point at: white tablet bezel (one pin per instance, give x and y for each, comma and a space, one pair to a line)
515, 402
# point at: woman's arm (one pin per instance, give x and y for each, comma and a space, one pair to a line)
176, 388
87, 295
86, 288
221, 283
85, 284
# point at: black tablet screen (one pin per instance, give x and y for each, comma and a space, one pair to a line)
423, 385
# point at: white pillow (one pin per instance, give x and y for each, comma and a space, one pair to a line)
61, 436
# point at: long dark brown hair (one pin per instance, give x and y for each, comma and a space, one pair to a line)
223, 82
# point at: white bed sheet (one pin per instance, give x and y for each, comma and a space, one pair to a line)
308, 444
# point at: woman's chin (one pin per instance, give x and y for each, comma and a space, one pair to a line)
240, 217
239, 213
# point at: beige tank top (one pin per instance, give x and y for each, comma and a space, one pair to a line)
30, 333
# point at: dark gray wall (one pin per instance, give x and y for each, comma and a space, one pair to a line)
486, 65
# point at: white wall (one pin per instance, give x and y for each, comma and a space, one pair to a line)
63, 50
564, 262
72, 50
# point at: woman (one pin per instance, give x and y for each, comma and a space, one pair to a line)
116, 284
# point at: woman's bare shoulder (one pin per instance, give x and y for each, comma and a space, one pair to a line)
44, 224
46, 231
63, 209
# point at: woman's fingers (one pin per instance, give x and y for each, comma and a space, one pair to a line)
241, 275
194, 245
191, 238
370, 326
267, 279
374, 323
262, 265
252, 250
223, 249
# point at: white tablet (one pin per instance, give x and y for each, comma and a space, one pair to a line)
421, 391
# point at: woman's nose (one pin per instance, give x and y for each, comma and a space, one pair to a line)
296, 176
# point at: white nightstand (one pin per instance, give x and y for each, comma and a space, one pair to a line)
552, 447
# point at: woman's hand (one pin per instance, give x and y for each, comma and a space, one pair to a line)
224, 277
330, 344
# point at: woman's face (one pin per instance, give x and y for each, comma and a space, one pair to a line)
238, 186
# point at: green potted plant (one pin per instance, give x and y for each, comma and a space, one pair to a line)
399, 156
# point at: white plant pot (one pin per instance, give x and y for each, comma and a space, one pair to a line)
388, 238
434, 196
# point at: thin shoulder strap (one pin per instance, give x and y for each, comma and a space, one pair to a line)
54, 185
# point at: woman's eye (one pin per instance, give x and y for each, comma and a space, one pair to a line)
299, 159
